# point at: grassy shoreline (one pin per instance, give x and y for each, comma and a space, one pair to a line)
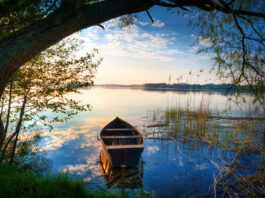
18, 182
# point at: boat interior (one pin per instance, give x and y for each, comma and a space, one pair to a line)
119, 132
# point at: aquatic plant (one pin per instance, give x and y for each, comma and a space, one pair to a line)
235, 140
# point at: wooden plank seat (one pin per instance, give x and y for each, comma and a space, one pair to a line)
125, 146
119, 129
121, 137
122, 140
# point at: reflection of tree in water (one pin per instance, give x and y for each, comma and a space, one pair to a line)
29, 156
121, 177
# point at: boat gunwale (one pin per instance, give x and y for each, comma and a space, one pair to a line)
108, 147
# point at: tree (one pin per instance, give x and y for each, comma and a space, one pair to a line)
42, 85
238, 42
56, 20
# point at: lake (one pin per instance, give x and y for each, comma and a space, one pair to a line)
171, 165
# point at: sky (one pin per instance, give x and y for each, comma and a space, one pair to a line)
149, 53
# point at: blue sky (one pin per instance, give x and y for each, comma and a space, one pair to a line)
149, 52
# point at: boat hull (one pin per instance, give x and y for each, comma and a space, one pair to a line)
122, 143
125, 157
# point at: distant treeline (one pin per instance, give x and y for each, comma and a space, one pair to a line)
196, 87
183, 87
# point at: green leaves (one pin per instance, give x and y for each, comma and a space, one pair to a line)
15, 15
48, 79
127, 20
238, 42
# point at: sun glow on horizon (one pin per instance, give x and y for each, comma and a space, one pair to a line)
148, 53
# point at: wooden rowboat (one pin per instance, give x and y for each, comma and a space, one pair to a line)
122, 143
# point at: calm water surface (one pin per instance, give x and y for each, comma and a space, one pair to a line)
169, 168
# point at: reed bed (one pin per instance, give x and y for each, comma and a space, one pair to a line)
201, 125
239, 137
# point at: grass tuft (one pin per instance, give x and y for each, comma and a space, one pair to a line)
17, 182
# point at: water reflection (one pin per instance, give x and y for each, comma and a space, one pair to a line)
174, 165
121, 177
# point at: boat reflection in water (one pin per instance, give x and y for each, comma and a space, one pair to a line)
121, 177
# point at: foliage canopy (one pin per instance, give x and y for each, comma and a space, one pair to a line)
38, 92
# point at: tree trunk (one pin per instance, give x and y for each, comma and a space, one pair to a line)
14, 148
9, 107
2, 107
2, 132
18, 127
3, 151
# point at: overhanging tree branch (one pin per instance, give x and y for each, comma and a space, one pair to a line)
18, 48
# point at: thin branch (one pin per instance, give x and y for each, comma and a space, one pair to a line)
209, 5
101, 26
151, 18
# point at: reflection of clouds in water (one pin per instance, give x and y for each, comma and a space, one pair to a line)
180, 163
91, 167
77, 169
90, 141
152, 149
76, 149
56, 139
201, 166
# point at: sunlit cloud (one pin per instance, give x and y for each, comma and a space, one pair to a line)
143, 23
158, 23
194, 49
205, 42
133, 45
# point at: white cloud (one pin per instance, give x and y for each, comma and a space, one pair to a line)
193, 49
207, 56
130, 42
143, 23
135, 44
111, 24
158, 23
206, 42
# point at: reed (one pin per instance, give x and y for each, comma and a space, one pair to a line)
202, 124
240, 137
232, 182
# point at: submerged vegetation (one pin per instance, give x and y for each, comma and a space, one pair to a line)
237, 142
